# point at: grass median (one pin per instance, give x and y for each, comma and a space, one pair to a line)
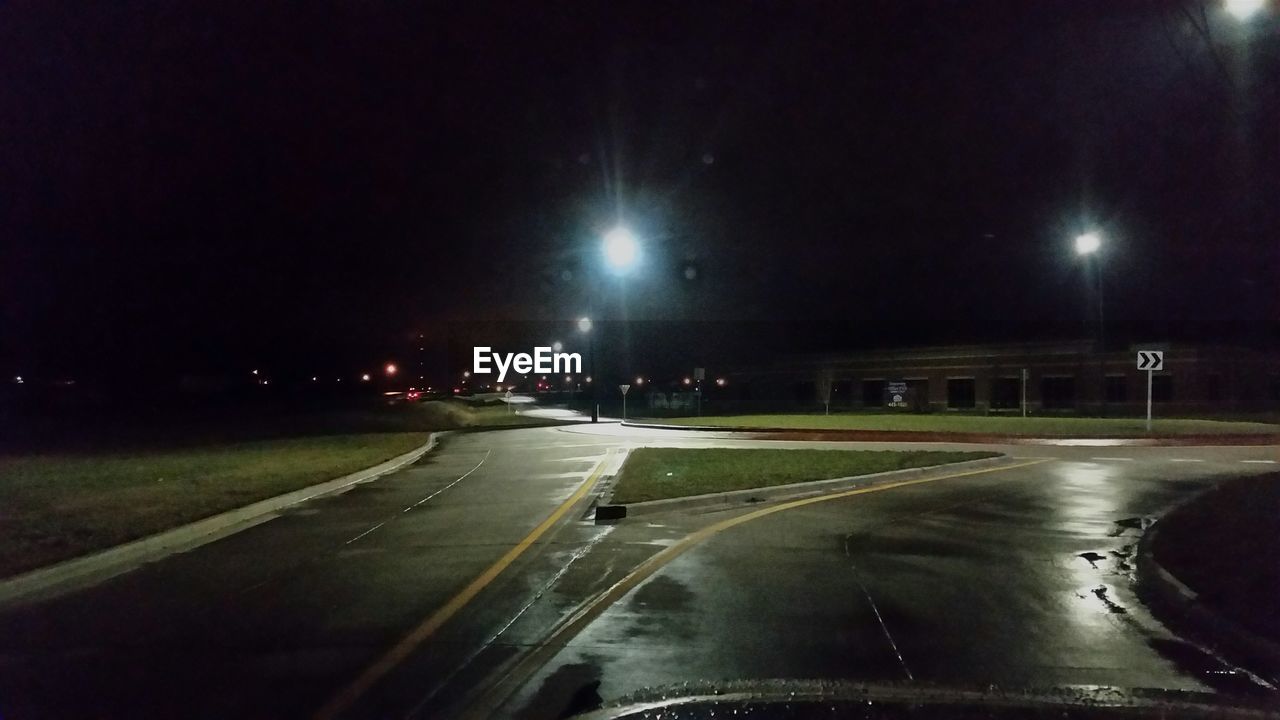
660, 473
983, 424
60, 503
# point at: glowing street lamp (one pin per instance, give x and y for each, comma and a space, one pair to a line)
391, 369
1088, 243
364, 377
1243, 10
621, 251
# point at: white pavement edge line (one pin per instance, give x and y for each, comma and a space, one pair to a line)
94, 568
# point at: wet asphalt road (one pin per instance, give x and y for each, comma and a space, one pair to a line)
1018, 576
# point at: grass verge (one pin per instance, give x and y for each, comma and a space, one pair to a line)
60, 503
659, 473
983, 424
1224, 545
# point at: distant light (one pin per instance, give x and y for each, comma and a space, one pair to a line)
17, 379
391, 369
568, 378
1088, 243
255, 372
588, 378
314, 378
1243, 9
557, 346
584, 324
365, 377
720, 382
620, 249
639, 381
687, 381
466, 373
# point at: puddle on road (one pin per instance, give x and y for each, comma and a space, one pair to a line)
1112, 606
571, 690
1092, 557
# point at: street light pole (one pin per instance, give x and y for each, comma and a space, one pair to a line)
585, 326
1088, 245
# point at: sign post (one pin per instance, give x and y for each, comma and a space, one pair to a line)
699, 374
624, 389
1024, 392
1150, 360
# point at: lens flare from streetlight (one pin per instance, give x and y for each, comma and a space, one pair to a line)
584, 325
1243, 9
620, 249
1088, 243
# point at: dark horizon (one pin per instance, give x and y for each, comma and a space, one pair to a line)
215, 187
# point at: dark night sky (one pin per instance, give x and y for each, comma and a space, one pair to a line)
215, 184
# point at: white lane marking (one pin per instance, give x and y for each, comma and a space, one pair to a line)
1262, 462
888, 636
366, 532
1034, 457
446, 487
580, 458
461, 477
1186, 460
1118, 459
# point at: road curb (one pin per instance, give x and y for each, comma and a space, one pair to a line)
1176, 604
790, 491
101, 565
920, 436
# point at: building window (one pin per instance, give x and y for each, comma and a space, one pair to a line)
919, 391
1006, 393
1117, 389
873, 393
1162, 388
1058, 393
960, 393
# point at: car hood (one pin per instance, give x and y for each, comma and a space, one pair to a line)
786, 698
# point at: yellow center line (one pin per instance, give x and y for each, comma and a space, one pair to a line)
509, 683
353, 692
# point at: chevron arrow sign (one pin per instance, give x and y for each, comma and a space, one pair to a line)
1150, 359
